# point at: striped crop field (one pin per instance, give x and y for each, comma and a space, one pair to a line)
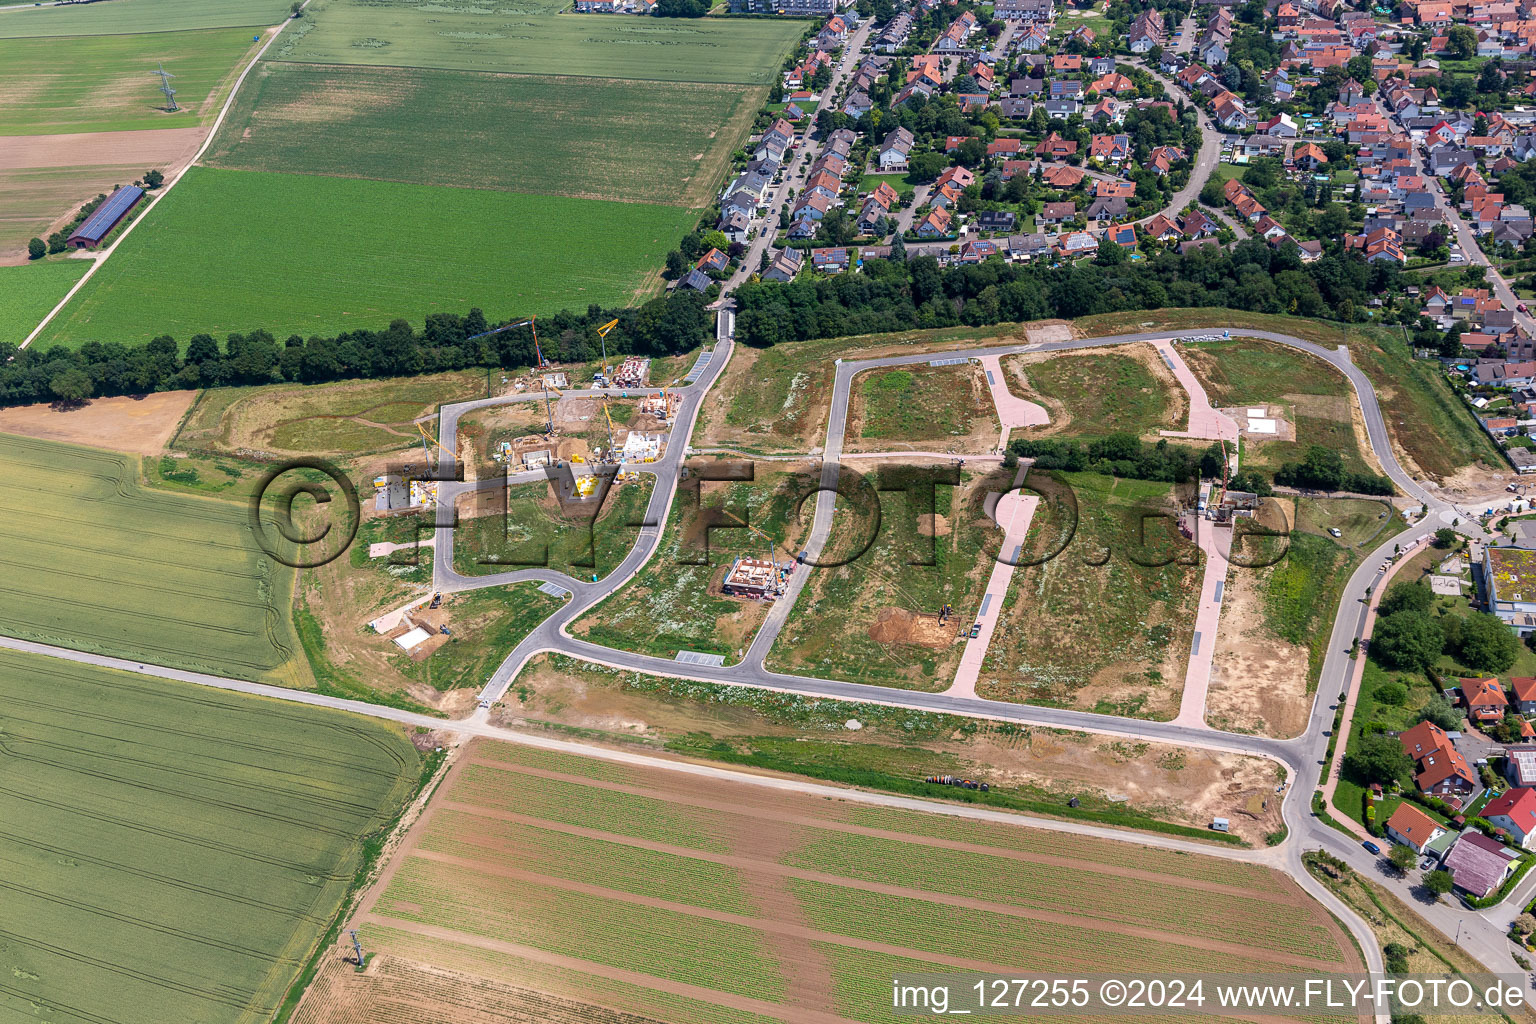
170, 852
98, 563
588, 138
108, 83
123, 17
542, 881
514, 36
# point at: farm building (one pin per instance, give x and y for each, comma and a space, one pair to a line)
100, 224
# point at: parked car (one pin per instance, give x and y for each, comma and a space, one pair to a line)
1370, 847
976, 630
1333, 531
1521, 308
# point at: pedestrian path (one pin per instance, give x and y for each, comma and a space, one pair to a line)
1013, 512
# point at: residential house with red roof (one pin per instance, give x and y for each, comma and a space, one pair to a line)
1412, 827
1484, 699
1441, 769
1514, 811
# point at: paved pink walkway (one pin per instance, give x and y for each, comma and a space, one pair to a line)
1012, 411
1197, 676
1204, 421
1014, 512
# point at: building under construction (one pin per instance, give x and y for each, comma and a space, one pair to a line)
662, 405
754, 578
632, 373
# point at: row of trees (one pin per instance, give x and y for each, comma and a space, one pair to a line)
1123, 455
1323, 469
675, 323
900, 295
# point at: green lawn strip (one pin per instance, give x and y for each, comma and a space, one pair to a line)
350, 254
590, 138
1301, 595
103, 83
542, 42
172, 811
28, 292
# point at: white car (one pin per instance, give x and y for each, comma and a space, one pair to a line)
1334, 531
1457, 257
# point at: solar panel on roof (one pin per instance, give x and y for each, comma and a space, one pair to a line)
109, 213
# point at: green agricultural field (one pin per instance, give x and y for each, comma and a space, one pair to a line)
96, 563
107, 83
499, 36
33, 198
172, 852
679, 879
132, 16
296, 253
593, 138
27, 293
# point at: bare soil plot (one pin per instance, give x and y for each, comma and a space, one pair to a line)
139, 426
1100, 613
922, 408
635, 891
1089, 394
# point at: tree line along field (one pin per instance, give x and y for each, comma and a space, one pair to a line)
539, 42
97, 563
131, 16
293, 253
591, 138
540, 877
171, 852
108, 83
27, 293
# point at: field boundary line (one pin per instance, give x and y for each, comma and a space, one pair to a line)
161, 193
525, 74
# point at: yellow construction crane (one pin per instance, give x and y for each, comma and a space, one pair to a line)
767, 541
609, 417
602, 335
428, 442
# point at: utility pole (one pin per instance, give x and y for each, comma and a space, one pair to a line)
357, 948
165, 87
